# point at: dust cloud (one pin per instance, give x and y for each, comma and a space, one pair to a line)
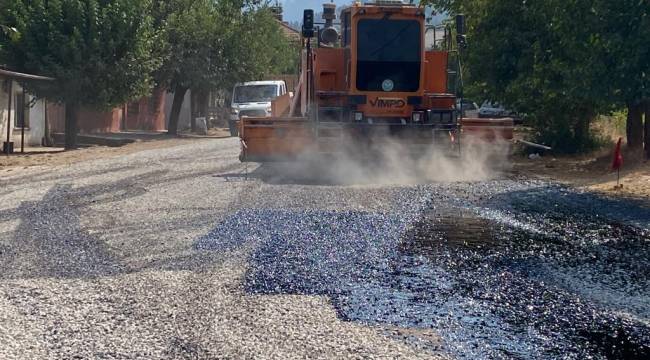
395, 162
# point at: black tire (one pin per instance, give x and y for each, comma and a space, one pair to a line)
234, 130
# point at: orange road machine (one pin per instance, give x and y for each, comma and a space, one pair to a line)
380, 74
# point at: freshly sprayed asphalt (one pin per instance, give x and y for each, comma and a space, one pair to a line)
185, 253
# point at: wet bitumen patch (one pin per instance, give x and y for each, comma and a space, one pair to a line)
533, 315
500, 269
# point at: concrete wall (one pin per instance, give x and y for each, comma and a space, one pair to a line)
92, 121
145, 114
149, 112
186, 110
56, 117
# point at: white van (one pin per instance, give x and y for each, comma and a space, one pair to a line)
253, 99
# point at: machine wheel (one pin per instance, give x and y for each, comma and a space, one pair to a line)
232, 125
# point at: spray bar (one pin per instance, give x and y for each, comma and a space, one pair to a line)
537, 146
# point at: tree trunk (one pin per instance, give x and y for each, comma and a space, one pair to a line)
647, 129
70, 126
634, 125
177, 104
581, 131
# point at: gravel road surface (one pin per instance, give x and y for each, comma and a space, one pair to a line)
184, 253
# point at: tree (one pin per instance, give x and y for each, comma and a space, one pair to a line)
626, 35
560, 62
99, 52
215, 44
7, 34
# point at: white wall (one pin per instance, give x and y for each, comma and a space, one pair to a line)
34, 137
36, 131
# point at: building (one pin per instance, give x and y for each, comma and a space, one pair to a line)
25, 121
149, 113
290, 33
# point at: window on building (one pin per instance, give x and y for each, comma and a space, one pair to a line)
21, 115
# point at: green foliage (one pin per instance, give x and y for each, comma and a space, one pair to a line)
215, 44
611, 126
8, 34
272, 52
559, 62
625, 39
103, 53
99, 52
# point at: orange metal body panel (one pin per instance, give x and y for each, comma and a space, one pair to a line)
280, 105
440, 102
270, 138
489, 129
329, 69
436, 72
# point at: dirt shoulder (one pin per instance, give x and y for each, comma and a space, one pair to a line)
591, 172
35, 158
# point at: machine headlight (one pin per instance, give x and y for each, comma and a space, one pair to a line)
234, 111
358, 116
417, 117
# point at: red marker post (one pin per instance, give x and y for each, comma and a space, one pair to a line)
618, 162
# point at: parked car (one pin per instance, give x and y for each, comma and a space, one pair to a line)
253, 99
491, 109
470, 108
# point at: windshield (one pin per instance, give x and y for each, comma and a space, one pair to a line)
389, 55
468, 105
255, 93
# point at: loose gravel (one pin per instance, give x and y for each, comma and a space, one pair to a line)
99, 260
479, 263
185, 253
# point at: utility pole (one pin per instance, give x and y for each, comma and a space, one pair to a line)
7, 147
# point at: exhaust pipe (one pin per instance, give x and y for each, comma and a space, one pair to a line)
329, 35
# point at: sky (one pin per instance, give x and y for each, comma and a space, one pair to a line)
293, 9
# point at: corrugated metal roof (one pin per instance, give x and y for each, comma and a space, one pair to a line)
23, 76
